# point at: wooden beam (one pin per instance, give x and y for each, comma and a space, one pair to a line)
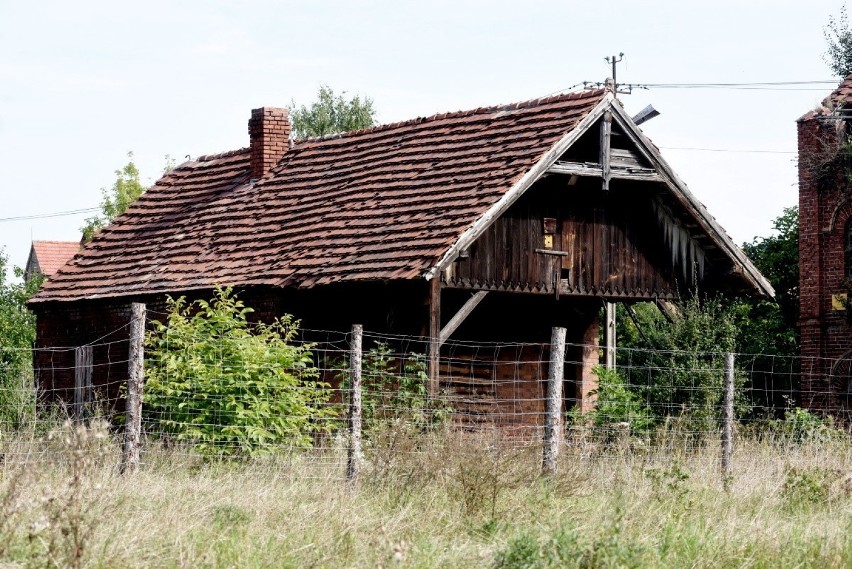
595, 171
553, 253
434, 335
606, 138
461, 315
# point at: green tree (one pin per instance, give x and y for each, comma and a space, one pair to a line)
230, 387
838, 35
674, 363
770, 327
769, 338
332, 114
126, 189
17, 334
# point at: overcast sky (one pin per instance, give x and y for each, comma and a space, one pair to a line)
82, 83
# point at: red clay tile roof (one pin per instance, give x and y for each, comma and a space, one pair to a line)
379, 204
841, 95
51, 255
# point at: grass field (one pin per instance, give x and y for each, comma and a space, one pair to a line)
448, 501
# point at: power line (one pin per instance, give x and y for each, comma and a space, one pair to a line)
821, 85
54, 214
770, 85
735, 150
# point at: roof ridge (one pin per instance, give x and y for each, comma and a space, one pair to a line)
572, 95
220, 155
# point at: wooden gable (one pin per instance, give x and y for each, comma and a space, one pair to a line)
608, 218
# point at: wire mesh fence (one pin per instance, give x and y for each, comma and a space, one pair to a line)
234, 398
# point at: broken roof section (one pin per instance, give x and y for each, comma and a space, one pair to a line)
394, 202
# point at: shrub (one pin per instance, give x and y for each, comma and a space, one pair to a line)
230, 387
617, 409
17, 334
676, 366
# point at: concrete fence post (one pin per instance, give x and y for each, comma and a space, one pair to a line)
553, 414
353, 460
728, 420
133, 413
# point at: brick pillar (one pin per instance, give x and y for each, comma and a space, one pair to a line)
810, 262
590, 358
269, 132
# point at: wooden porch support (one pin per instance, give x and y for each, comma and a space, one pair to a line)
434, 334
609, 335
606, 136
461, 315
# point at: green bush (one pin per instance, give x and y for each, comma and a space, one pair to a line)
231, 388
17, 334
618, 409
676, 365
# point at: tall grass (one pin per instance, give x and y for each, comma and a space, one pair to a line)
448, 500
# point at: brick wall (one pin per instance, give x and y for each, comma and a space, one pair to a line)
824, 210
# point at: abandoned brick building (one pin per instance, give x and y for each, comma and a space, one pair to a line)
825, 252
493, 224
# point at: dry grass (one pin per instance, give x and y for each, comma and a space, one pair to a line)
448, 501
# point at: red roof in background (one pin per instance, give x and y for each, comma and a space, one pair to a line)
383, 203
52, 255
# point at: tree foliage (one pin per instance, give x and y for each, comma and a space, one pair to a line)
675, 363
770, 327
230, 387
838, 36
17, 334
126, 189
332, 114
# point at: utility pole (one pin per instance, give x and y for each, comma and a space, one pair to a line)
613, 60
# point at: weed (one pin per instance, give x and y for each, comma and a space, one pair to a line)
668, 482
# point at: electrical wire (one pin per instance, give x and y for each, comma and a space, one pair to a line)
732, 150
54, 214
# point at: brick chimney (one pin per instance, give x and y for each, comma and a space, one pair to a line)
269, 131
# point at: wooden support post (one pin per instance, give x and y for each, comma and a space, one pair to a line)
353, 459
553, 417
609, 333
82, 382
606, 137
728, 421
133, 413
434, 334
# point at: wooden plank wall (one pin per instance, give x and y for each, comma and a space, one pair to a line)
610, 241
